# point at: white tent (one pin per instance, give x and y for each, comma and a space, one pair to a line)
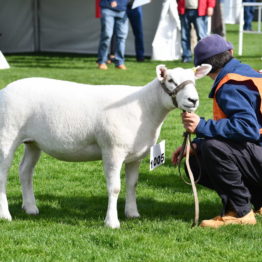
231, 11
3, 63
167, 41
62, 26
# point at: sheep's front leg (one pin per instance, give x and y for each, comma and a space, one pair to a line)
6, 155
131, 182
4, 210
112, 168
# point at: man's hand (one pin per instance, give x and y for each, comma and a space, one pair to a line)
114, 4
176, 154
190, 121
210, 11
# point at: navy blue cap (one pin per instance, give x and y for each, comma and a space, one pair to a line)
210, 46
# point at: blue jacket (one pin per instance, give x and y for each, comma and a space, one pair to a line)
121, 4
240, 103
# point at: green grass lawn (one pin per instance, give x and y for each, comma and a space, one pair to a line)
72, 197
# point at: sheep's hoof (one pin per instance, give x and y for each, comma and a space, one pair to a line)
112, 223
132, 214
5, 215
31, 210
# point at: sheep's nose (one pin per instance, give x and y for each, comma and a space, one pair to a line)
194, 101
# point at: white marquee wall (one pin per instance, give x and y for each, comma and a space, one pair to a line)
71, 26
62, 26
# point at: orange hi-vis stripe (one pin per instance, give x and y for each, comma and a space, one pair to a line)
257, 82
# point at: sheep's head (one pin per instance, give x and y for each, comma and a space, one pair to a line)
179, 84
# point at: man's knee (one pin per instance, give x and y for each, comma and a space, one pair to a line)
213, 147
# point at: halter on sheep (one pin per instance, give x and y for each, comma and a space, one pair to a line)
187, 145
77, 122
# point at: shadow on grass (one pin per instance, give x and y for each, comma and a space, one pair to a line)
57, 60
170, 180
72, 210
49, 60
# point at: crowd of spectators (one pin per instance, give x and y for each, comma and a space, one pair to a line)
193, 15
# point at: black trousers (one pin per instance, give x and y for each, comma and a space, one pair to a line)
233, 170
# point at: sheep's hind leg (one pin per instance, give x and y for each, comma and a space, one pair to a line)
26, 169
131, 182
112, 168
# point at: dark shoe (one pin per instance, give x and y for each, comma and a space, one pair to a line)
140, 59
111, 59
187, 60
230, 219
247, 28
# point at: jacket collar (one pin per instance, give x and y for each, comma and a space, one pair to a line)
230, 67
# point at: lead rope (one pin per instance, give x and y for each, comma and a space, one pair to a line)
186, 146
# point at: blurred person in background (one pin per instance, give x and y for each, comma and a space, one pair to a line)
113, 20
135, 17
249, 12
194, 12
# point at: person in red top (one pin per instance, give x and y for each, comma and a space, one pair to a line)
194, 12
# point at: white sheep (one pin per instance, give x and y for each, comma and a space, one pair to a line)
79, 122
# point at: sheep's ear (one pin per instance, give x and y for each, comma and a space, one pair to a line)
161, 72
202, 70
